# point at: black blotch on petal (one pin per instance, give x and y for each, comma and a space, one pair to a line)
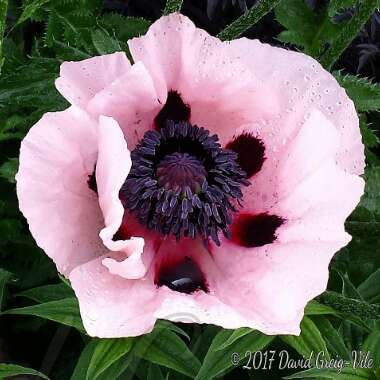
91, 182
174, 109
255, 230
184, 276
250, 152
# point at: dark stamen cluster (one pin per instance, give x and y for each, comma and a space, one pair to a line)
183, 183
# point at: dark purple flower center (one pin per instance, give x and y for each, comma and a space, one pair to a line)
179, 171
183, 183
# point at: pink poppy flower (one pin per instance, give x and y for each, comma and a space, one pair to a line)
209, 178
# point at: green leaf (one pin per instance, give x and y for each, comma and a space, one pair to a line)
16, 126
14, 53
32, 85
316, 33
301, 22
7, 370
65, 280
3, 16
54, 29
364, 9
237, 334
291, 37
351, 306
172, 6
10, 230
112, 371
339, 5
250, 18
105, 354
372, 345
30, 8
370, 140
65, 311
80, 370
124, 28
69, 53
364, 93
165, 348
316, 308
9, 169
163, 324
310, 339
362, 256
103, 42
154, 373
218, 362
348, 289
72, 22
4, 278
370, 288
25, 260
371, 198
8, 128
312, 31
48, 293
334, 341
323, 373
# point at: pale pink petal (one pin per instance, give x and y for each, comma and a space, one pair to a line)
287, 165
215, 306
246, 82
289, 161
112, 168
314, 193
186, 59
271, 285
311, 218
132, 267
267, 283
56, 158
80, 81
112, 306
131, 100
301, 85
208, 308
318, 140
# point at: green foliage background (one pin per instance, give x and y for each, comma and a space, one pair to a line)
40, 316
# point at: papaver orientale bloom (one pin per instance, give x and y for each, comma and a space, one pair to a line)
209, 179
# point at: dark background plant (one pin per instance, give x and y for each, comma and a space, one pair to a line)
40, 326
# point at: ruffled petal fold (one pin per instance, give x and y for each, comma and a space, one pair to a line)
57, 157
112, 168
80, 81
